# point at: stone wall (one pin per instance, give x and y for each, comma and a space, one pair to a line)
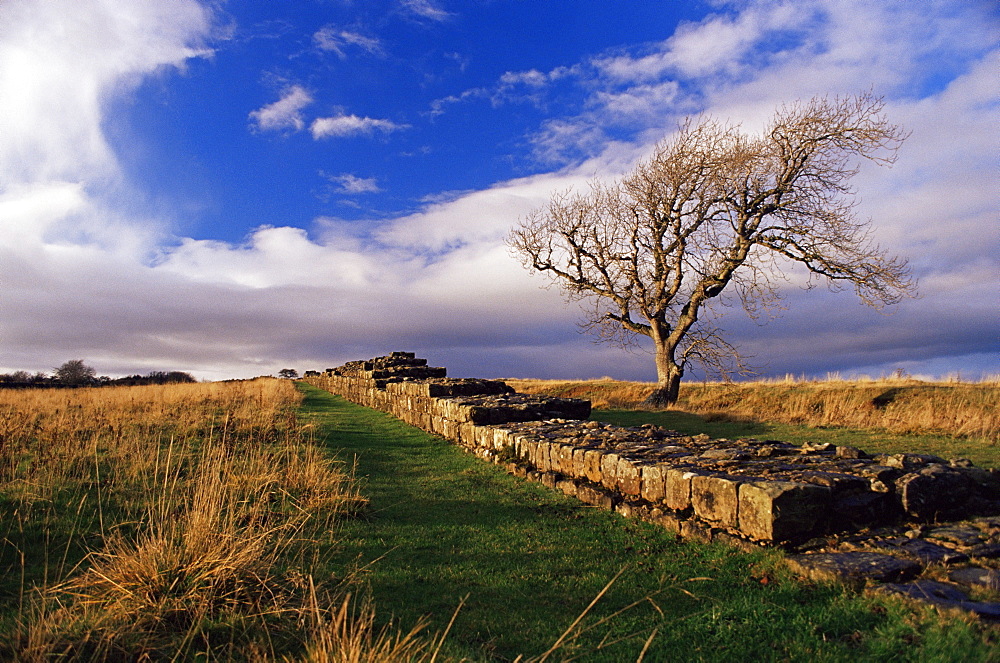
744, 491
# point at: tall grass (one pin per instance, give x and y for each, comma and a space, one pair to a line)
902, 406
164, 522
179, 522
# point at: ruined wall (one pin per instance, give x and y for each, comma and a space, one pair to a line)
746, 491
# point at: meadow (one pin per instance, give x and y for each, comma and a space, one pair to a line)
247, 521
167, 523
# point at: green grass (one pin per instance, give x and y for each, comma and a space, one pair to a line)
446, 527
980, 452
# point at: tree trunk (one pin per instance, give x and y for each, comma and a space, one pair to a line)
669, 375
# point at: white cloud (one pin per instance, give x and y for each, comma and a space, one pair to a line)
425, 9
286, 113
340, 126
331, 38
68, 55
348, 183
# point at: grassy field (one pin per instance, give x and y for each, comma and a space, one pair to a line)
243, 521
164, 522
949, 420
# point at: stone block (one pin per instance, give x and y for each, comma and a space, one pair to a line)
854, 567
838, 482
554, 460
542, 455
566, 459
567, 486
609, 471
526, 449
858, 510
677, 488
910, 462
781, 510
595, 497
580, 462
502, 438
933, 491
666, 520
653, 483
629, 477
632, 510
467, 434
716, 499
592, 464
696, 530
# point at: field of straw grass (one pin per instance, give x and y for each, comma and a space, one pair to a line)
173, 522
901, 406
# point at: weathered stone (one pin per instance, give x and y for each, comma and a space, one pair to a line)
854, 566
653, 483
629, 477
632, 510
609, 471
724, 454
927, 590
862, 509
910, 462
579, 462
592, 464
838, 482
924, 551
565, 452
667, 520
566, 485
678, 489
596, 497
881, 478
986, 480
850, 452
715, 498
696, 530
541, 459
933, 491
985, 551
965, 536
818, 447
943, 595
932, 553
781, 510
975, 576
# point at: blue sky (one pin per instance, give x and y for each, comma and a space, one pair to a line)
230, 188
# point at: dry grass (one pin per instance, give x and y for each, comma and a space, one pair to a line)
349, 634
903, 406
198, 512
206, 503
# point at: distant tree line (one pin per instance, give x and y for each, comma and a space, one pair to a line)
76, 373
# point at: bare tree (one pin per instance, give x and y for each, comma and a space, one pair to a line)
712, 208
75, 372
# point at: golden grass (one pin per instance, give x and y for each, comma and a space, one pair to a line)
903, 406
349, 634
210, 500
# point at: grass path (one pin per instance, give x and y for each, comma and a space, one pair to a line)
444, 526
